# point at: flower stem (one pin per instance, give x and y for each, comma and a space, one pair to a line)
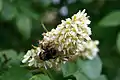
47, 72
44, 27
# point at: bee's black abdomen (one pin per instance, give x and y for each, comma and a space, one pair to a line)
48, 54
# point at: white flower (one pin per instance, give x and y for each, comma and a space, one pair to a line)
92, 49
32, 62
27, 56
31, 56
69, 36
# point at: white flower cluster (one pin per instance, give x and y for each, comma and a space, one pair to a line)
72, 36
70, 39
32, 57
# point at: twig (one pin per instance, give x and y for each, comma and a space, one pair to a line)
44, 27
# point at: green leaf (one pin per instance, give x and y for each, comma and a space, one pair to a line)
20, 56
40, 77
45, 3
24, 25
102, 77
29, 12
91, 68
57, 75
1, 57
9, 11
69, 68
118, 42
1, 4
80, 76
112, 19
16, 73
10, 54
86, 1
118, 75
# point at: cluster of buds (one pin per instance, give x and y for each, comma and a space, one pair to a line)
69, 40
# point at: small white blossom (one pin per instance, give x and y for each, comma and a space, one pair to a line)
92, 49
31, 57
27, 56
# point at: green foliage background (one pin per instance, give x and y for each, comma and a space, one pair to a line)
20, 27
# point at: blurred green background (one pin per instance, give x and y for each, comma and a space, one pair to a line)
20, 27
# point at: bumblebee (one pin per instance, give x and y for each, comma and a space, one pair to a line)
49, 52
